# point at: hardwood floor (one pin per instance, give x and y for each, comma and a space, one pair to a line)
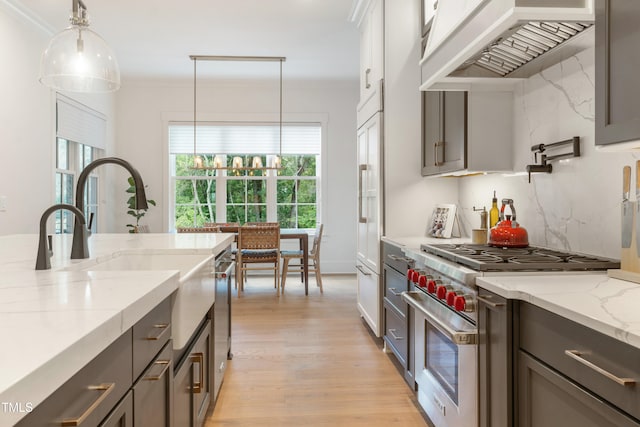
309, 361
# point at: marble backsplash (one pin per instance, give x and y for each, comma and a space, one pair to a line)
577, 206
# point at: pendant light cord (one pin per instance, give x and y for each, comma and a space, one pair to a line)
195, 61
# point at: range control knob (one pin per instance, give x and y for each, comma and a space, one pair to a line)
463, 303
451, 296
432, 285
410, 274
441, 291
423, 280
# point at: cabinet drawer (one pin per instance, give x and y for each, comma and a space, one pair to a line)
395, 335
153, 392
92, 393
150, 334
597, 362
393, 256
394, 284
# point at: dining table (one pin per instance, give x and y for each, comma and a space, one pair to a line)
289, 233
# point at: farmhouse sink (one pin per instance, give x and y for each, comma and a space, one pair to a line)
196, 285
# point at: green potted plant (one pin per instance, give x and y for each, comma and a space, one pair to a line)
131, 204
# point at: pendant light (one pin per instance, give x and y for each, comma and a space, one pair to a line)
79, 60
236, 163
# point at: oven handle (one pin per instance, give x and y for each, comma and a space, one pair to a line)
457, 337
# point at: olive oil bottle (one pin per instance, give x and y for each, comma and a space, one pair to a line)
494, 214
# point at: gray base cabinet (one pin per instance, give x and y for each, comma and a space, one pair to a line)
539, 369
574, 375
397, 333
548, 399
122, 415
127, 384
153, 392
193, 381
495, 354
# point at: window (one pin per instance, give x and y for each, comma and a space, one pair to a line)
81, 134
71, 158
289, 195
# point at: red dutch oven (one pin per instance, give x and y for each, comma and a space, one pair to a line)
507, 233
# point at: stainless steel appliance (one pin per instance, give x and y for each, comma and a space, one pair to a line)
444, 299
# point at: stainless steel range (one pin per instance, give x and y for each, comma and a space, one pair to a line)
445, 321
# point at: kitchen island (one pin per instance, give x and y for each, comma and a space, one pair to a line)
55, 321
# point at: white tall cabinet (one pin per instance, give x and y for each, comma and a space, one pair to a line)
369, 222
370, 21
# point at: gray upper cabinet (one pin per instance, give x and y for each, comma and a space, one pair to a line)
617, 64
466, 132
444, 132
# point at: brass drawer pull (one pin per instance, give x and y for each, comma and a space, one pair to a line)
104, 389
577, 355
165, 365
162, 327
199, 359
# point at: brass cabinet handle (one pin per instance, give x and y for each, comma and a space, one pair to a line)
490, 303
577, 356
435, 153
392, 332
162, 327
361, 169
165, 365
199, 359
104, 389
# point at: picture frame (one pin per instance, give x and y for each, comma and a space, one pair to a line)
442, 219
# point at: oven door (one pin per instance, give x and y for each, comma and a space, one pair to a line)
446, 365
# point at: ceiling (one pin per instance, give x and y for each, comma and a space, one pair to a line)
154, 38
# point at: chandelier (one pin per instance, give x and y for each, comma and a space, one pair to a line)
236, 163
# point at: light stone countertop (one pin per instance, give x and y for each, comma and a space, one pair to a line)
607, 305
55, 321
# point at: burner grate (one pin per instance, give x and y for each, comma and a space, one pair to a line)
532, 258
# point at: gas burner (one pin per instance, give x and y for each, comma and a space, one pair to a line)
532, 258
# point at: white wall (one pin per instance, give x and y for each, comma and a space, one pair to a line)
577, 206
27, 123
141, 138
409, 198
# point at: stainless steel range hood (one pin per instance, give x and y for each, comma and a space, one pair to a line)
503, 40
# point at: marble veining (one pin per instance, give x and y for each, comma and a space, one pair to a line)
596, 301
576, 207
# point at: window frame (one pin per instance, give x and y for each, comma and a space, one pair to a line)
169, 119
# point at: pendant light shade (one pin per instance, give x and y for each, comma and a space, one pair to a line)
79, 60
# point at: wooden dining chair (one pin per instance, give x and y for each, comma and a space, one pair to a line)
258, 245
314, 260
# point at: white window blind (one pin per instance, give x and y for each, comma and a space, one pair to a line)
78, 123
245, 138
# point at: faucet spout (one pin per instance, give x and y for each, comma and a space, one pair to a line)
79, 248
42, 261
